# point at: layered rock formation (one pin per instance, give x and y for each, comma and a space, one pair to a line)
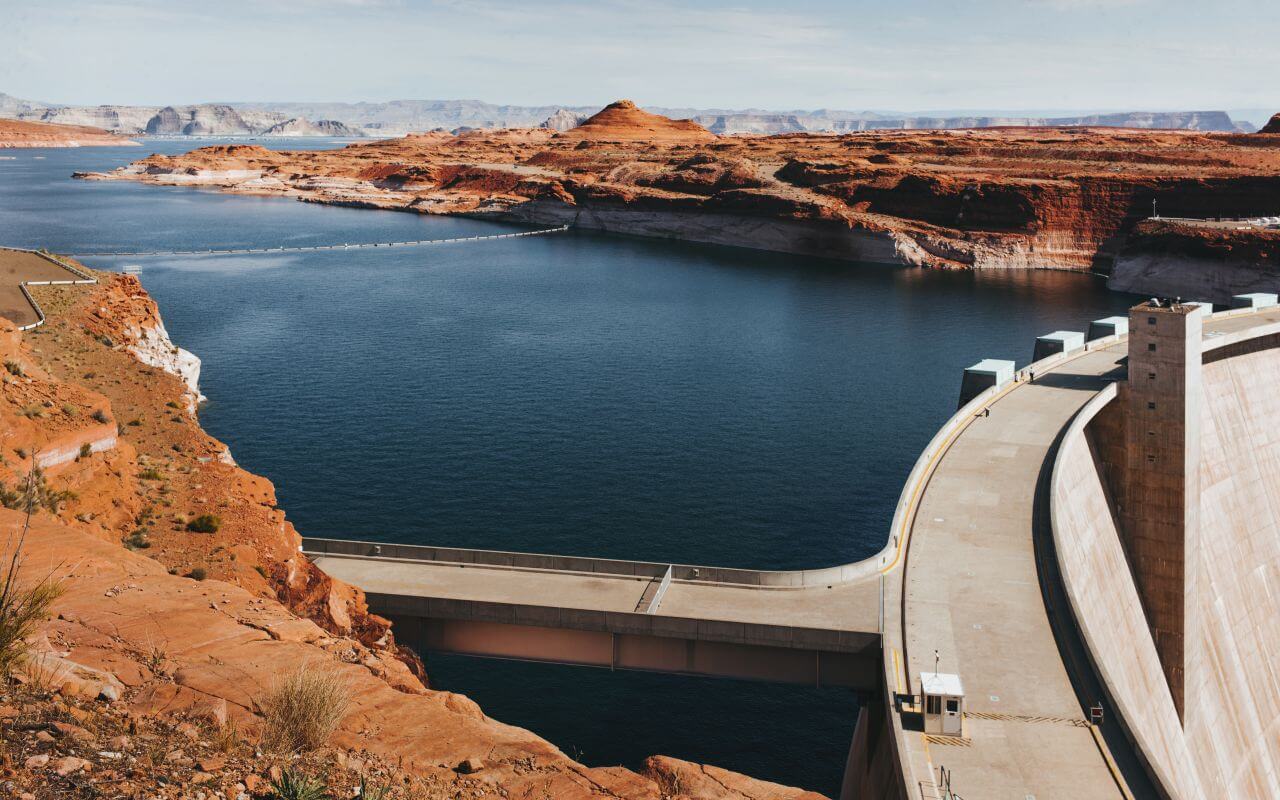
1049, 198
299, 126
209, 120
39, 134
563, 120
180, 623
752, 123
1198, 260
195, 120
400, 117
624, 121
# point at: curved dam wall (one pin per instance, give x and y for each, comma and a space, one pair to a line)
1229, 745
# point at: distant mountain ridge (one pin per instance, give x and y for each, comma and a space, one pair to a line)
205, 119
398, 117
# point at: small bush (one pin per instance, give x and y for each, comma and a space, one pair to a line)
296, 786
70, 410
198, 574
137, 540
86, 450
33, 492
100, 416
14, 368
150, 474
205, 523
303, 709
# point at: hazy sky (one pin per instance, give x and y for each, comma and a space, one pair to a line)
856, 54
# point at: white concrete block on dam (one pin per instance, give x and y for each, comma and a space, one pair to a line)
1254, 300
1057, 342
1202, 307
982, 376
1107, 326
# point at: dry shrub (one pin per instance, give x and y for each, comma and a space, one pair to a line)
303, 708
24, 604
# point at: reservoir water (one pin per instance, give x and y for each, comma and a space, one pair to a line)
574, 393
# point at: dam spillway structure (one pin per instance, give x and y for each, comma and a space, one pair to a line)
1090, 546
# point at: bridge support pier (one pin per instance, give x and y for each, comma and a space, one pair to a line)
613, 650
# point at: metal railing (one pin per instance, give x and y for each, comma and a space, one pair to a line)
84, 278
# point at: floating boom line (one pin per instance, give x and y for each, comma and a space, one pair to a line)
318, 247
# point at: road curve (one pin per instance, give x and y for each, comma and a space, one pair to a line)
979, 588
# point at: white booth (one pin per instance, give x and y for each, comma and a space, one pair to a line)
943, 703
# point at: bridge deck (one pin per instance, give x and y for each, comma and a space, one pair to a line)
843, 607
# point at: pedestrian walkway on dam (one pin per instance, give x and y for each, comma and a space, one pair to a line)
318, 247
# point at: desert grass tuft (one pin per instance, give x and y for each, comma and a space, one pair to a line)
304, 708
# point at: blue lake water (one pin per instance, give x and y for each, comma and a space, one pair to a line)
574, 393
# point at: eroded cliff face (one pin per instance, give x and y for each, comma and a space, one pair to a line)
1050, 198
184, 626
1206, 261
14, 133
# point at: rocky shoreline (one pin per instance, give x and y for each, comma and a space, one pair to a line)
164, 624
1201, 260
992, 198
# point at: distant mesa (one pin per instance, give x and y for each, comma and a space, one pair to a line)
751, 123
300, 126
24, 133
625, 121
1273, 126
202, 120
563, 120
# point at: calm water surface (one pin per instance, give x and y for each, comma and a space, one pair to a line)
573, 393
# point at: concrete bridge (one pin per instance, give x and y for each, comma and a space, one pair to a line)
1008, 556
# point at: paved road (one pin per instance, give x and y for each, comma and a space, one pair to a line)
18, 267
971, 590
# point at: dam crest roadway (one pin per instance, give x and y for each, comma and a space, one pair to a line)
967, 580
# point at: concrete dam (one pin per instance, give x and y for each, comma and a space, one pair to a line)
1078, 596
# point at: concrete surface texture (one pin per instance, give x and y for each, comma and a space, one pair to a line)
1160, 504
1228, 745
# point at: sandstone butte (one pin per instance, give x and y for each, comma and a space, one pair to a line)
16, 133
1061, 198
187, 626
